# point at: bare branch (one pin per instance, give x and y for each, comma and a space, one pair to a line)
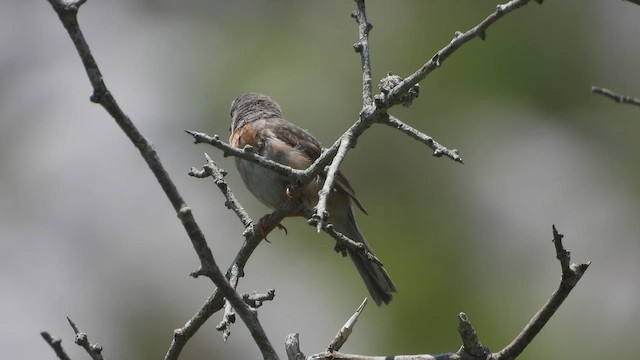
615, 97
395, 96
254, 233
56, 345
292, 345
218, 174
472, 348
247, 153
571, 274
67, 13
343, 335
82, 340
471, 345
438, 150
257, 299
321, 213
637, 2
362, 47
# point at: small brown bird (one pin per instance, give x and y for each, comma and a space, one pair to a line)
257, 120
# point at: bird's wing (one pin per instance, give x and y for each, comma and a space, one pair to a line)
301, 139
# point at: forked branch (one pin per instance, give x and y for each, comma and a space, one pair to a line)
472, 348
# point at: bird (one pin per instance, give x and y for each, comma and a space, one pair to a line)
257, 121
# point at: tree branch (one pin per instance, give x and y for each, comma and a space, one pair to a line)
67, 12
253, 234
571, 274
438, 150
82, 340
396, 94
362, 47
56, 345
343, 335
615, 97
472, 348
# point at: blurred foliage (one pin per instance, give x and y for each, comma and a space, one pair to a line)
449, 234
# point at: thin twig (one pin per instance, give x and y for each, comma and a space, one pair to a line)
321, 213
67, 13
218, 174
615, 97
362, 47
246, 154
56, 345
438, 150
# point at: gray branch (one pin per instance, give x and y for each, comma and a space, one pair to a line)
56, 345
395, 96
82, 340
621, 99
472, 348
67, 12
438, 150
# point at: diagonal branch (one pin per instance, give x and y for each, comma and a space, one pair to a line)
621, 99
67, 12
438, 150
395, 95
56, 345
253, 236
472, 348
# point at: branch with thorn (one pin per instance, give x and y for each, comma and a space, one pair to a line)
472, 348
67, 12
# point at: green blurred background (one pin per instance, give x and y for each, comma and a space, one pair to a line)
86, 232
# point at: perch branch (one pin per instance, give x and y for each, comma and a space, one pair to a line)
615, 97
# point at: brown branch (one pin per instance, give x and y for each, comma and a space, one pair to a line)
621, 99
67, 12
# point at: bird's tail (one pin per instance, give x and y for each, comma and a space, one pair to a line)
375, 277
